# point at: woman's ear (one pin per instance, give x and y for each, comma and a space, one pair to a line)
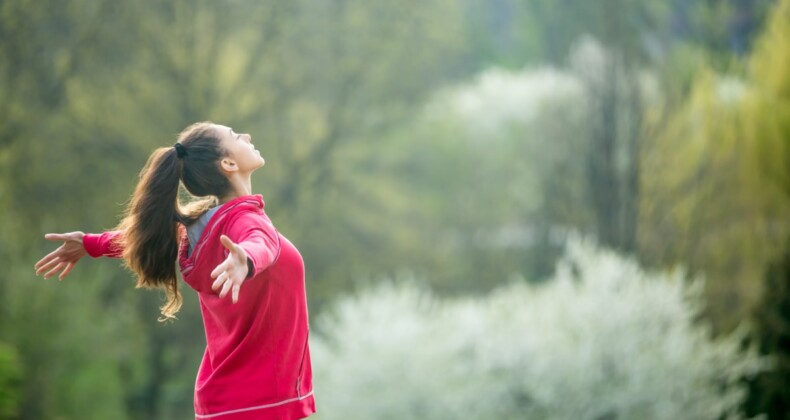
228, 165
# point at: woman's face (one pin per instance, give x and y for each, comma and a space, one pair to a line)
240, 149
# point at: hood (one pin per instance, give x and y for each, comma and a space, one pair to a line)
208, 252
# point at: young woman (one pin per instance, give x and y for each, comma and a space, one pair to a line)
257, 361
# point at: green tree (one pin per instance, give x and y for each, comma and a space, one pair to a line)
107, 82
708, 203
769, 392
627, 30
766, 127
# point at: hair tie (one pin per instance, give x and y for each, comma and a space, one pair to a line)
181, 151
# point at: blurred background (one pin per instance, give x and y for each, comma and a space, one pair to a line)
507, 208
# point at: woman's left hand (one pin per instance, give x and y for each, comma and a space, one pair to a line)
232, 272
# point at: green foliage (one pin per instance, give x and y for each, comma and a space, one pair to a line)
512, 32
70, 347
10, 382
767, 127
90, 88
708, 203
767, 105
769, 392
493, 147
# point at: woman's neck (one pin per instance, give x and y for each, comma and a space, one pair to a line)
240, 186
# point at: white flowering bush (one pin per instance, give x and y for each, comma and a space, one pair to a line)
498, 99
602, 339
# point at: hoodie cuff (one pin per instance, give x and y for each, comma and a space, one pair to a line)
98, 245
91, 243
250, 268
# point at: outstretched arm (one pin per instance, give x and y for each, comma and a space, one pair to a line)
63, 258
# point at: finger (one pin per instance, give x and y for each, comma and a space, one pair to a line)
219, 270
52, 260
47, 258
57, 237
66, 271
218, 282
226, 242
225, 289
44, 268
39, 263
235, 294
53, 271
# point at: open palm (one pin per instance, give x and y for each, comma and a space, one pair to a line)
62, 259
232, 272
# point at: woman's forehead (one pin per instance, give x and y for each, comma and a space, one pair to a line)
223, 130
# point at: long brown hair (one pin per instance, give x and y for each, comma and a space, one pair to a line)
150, 225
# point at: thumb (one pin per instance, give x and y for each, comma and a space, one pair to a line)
57, 237
226, 242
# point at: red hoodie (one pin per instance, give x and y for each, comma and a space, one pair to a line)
257, 360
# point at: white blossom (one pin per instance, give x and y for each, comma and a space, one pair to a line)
601, 339
499, 99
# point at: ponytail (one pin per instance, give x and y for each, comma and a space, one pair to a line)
150, 226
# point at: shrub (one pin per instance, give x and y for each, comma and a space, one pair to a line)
601, 339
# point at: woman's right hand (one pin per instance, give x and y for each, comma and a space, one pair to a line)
63, 258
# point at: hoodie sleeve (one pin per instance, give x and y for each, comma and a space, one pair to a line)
103, 244
256, 234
